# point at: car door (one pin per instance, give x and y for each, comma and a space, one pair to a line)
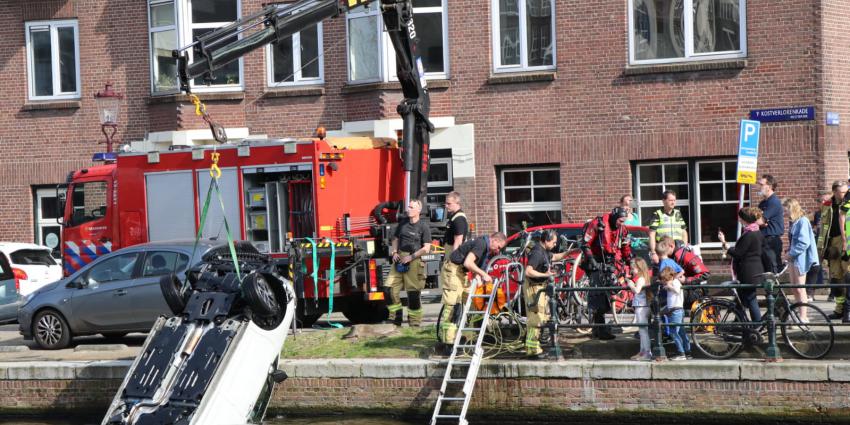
9, 297
103, 304
145, 293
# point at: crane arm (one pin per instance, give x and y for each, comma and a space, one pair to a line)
273, 23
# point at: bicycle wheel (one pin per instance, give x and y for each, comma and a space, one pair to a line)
718, 341
578, 280
811, 340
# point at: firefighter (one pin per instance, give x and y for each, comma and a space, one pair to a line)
457, 227
412, 240
696, 273
471, 256
537, 274
832, 244
606, 250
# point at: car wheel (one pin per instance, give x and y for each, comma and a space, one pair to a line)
259, 295
50, 330
175, 292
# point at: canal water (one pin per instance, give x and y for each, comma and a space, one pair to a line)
566, 418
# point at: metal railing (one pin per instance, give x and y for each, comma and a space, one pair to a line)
771, 287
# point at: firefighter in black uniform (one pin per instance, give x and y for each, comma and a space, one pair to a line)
411, 241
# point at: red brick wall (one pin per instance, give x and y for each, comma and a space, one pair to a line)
517, 397
593, 119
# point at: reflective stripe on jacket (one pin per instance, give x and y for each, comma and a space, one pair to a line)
672, 225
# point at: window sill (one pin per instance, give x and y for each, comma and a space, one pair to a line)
44, 105
670, 68
349, 88
205, 97
522, 77
293, 91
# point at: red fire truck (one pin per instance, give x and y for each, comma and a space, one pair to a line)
302, 201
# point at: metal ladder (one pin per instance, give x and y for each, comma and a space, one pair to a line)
473, 363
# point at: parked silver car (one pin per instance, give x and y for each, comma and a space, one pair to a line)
116, 294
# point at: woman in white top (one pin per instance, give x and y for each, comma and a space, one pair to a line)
639, 284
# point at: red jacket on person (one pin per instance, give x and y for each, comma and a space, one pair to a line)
695, 269
615, 243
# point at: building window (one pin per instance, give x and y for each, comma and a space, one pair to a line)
440, 181
654, 179
529, 197
163, 39
48, 231
523, 35
53, 52
297, 59
371, 57
174, 23
717, 201
664, 31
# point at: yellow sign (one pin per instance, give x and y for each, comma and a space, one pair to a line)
747, 177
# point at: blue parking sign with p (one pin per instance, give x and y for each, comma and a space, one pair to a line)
748, 151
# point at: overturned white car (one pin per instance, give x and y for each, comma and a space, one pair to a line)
215, 361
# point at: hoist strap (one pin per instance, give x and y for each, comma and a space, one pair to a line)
315, 274
331, 280
214, 185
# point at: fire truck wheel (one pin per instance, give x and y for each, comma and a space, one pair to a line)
175, 292
259, 295
360, 311
306, 320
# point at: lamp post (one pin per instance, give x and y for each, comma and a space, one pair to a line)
108, 105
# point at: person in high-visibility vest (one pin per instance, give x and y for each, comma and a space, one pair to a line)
457, 225
832, 245
667, 221
412, 240
538, 270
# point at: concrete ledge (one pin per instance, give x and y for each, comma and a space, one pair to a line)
697, 370
787, 371
691, 370
839, 372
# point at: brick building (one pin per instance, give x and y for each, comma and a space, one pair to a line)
545, 110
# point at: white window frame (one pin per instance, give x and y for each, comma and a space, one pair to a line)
151, 31
690, 56
41, 222
523, 42
298, 80
387, 65
662, 186
442, 183
727, 199
184, 27
371, 9
54, 60
389, 52
506, 207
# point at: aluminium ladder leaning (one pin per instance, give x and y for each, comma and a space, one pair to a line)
472, 364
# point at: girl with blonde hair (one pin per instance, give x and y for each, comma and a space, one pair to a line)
802, 251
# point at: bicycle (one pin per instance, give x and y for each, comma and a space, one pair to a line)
620, 301
811, 339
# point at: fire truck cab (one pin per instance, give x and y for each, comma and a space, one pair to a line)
290, 198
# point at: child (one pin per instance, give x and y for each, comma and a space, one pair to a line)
674, 312
640, 286
664, 248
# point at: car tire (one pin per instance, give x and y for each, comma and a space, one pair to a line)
259, 295
175, 292
50, 330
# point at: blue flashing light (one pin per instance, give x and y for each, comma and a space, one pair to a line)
321, 169
104, 157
